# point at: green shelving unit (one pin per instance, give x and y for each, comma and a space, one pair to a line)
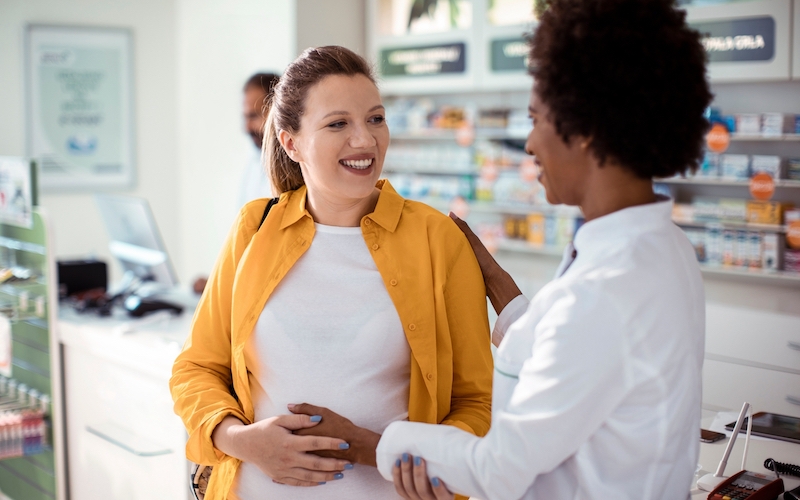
30, 304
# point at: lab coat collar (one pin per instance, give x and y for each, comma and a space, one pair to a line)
387, 211
609, 229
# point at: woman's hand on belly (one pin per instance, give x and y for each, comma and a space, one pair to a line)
363, 442
281, 455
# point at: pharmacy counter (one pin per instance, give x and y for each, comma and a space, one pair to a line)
123, 439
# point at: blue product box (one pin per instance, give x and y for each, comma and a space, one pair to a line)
730, 122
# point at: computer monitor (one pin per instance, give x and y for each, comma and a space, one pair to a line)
135, 240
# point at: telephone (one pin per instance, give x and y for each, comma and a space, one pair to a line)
749, 485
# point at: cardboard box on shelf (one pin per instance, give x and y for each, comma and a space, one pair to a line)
766, 212
793, 169
769, 164
735, 167
748, 123
774, 124
771, 252
536, 229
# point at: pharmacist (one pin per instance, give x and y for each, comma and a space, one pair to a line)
597, 387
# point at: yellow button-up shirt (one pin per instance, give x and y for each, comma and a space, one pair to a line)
430, 273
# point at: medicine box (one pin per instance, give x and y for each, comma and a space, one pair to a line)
536, 229
769, 164
748, 124
735, 167
765, 212
793, 169
770, 252
775, 124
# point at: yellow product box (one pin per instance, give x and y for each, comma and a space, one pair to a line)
766, 212
536, 229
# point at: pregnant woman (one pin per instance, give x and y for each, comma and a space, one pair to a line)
346, 295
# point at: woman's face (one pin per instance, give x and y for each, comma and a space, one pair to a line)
342, 140
563, 167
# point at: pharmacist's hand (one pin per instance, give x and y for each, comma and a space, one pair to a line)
500, 286
412, 483
363, 442
281, 455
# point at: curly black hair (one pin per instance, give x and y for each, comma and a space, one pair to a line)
630, 75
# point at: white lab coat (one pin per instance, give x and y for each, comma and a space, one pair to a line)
597, 386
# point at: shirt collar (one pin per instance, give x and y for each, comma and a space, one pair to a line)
387, 211
609, 229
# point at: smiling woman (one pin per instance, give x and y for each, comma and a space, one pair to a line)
347, 296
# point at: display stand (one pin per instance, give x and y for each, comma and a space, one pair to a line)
33, 468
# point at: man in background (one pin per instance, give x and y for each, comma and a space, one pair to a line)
255, 181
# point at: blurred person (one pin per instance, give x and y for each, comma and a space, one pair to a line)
255, 106
255, 181
346, 294
597, 382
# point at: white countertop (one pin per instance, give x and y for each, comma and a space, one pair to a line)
148, 344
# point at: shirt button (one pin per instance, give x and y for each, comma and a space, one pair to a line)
393, 282
430, 376
412, 327
367, 222
375, 246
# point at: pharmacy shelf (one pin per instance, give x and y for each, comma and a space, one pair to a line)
712, 181
519, 246
490, 207
784, 278
773, 138
745, 226
439, 134
431, 171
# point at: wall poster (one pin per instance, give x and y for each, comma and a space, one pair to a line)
80, 106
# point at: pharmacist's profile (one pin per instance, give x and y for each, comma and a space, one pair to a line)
255, 182
597, 381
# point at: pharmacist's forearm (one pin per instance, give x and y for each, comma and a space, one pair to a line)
501, 289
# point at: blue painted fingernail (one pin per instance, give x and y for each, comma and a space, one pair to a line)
323, 482
397, 464
344, 446
435, 482
316, 418
348, 466
405, 458
417, 461
338, 475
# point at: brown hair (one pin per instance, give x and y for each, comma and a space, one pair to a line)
288, 100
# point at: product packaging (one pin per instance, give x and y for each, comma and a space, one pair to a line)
748, 124
729, 248
754, 250
793, 169
697, 237
735, 167
565, 226
765, 212
791, 261
710, 166
550, 230
713, 246
775, 124
770, 255
792, 218
769, 164
742, 249
536, 229
797, 124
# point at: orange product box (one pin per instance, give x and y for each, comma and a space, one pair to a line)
536, 229
766, 212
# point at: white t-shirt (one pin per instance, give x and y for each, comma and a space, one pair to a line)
597, 385
329, 336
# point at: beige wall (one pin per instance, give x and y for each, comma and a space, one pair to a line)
76, 221
331, 22
191, 58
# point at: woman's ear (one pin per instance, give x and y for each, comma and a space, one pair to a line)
289, 145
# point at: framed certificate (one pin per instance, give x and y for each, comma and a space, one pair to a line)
80, 126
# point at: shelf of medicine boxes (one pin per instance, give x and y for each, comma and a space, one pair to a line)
444, 134
719, 181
